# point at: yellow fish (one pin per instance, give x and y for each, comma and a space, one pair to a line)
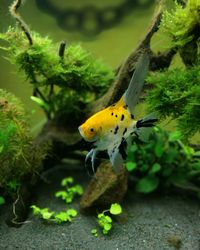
109, 128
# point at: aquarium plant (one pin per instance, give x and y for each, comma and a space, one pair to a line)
51, 216
19, 156
105, 221
164, 162
65, 78
182, 26
70, 191
176, 94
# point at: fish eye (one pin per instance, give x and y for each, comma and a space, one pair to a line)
91, 130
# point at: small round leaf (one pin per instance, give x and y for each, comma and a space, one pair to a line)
115, 209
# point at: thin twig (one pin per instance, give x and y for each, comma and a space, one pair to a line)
14, 12
61, 51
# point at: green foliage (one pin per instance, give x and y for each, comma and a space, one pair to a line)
67, 195
68, 84
115, 209
181, 23
176, 93
105, 221
70, 192
94, 232
18, 155
60, 217
163, 161
2, 200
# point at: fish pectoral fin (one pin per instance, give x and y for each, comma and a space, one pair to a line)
90, 157
116, 159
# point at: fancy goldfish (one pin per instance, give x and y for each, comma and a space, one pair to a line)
109, 128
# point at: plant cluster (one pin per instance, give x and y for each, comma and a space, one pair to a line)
64, 82
47, 215
182, 26
70, 191
67, 195
163, 162
18, 155
105, 221
176, 93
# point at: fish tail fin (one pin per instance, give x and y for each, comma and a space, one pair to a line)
144, 127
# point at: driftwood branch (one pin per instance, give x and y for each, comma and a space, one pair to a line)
126, 69
14, 12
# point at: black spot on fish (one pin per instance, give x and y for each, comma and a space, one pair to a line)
111, 131
125, 106
124, 131
147, 123
132, 116
115, 115
122, 148
112, 113
116, 129
122, 117
113, 105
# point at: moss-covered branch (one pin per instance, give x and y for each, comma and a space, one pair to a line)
14, 12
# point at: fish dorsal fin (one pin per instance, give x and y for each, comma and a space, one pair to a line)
131, 96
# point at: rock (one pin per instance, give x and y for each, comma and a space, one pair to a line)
105, 188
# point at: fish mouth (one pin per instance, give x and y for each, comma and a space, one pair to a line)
81, 131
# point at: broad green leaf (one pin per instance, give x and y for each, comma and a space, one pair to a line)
78, 189
176, 135
107, 226
72, 212
36, 210
40, 102
1, 148
47, 215
62, 194
107, 219
94, 232
155, 168
66, 181
131, 166
2, 200
115, 209
159, 149
147, 184
62, 217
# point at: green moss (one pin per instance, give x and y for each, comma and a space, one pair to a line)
176, 93
18, 155
182, 26
69, 83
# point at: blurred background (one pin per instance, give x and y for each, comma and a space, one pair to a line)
109, 29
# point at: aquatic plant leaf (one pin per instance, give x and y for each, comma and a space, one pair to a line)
72, 212
147, 184
115, 209
131, 166
66, 181
94, 232
155, 168
62, 217
2, 200
40, 102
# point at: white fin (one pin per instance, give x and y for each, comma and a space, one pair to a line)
116, 159
136, 84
